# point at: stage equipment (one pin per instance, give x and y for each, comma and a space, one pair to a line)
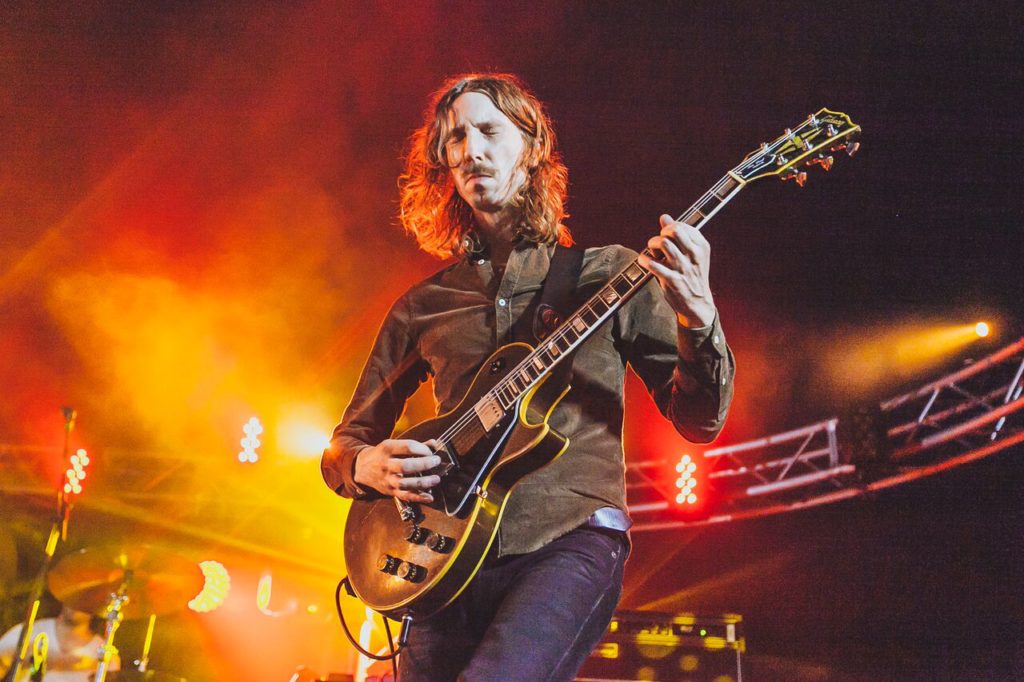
250, 441
155, 580
863, 436
58, 531
687, 481
125, 582
644, 645
968, 415
216, 585
416, 560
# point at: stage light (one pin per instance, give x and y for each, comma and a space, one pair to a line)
687, 481
303, 439
75, 474
264, 591
215, 588
252, 429
861, 362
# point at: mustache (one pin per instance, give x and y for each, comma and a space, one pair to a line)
479, 169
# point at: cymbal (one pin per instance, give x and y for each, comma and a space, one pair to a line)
156, 580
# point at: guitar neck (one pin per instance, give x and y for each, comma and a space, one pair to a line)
602, 305
810, 143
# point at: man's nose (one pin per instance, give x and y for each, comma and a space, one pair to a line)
473, 147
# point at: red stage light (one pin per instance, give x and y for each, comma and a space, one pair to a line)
687, 482
75, 474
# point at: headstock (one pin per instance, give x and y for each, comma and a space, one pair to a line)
811, 143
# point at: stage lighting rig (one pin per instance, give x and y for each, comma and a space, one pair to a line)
250, 441
75, 474
687, 481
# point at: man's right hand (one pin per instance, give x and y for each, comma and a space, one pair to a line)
398, 468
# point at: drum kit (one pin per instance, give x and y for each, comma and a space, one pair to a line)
125, 583
113, 582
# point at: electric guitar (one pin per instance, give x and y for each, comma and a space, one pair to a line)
414, 559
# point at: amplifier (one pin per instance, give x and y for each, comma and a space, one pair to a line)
645, 645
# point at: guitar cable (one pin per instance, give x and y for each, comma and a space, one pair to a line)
344, 583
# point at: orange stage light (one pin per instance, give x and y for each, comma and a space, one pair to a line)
215, 589
303, 432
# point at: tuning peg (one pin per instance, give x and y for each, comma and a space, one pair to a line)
852, 148
821, 160
793, 174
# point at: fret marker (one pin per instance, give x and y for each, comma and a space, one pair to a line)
578, 324
634, 273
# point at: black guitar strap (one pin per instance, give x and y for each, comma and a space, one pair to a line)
554, 305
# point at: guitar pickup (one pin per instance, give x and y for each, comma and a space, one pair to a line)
489, 412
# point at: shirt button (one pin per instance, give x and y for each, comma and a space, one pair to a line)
715, 339
724, 380
480, 262
502, 302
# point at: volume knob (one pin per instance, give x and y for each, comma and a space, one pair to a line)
411, 572
387, 564
417, 534
442, 544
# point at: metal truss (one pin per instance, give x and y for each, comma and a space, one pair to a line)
963, 417
967, 415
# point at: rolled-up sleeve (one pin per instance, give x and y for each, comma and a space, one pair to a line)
393, 371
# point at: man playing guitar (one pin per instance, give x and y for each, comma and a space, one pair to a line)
484, 184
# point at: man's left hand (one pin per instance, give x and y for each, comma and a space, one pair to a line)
684, 260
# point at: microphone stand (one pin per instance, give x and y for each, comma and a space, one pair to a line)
58, 531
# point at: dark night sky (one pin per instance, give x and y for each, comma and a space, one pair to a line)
189, 140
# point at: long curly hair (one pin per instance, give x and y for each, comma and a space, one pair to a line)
431, 208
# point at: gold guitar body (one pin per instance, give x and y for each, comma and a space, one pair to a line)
396, 575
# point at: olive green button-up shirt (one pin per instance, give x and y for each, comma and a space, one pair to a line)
448, 324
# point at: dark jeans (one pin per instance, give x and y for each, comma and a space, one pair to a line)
528, 617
